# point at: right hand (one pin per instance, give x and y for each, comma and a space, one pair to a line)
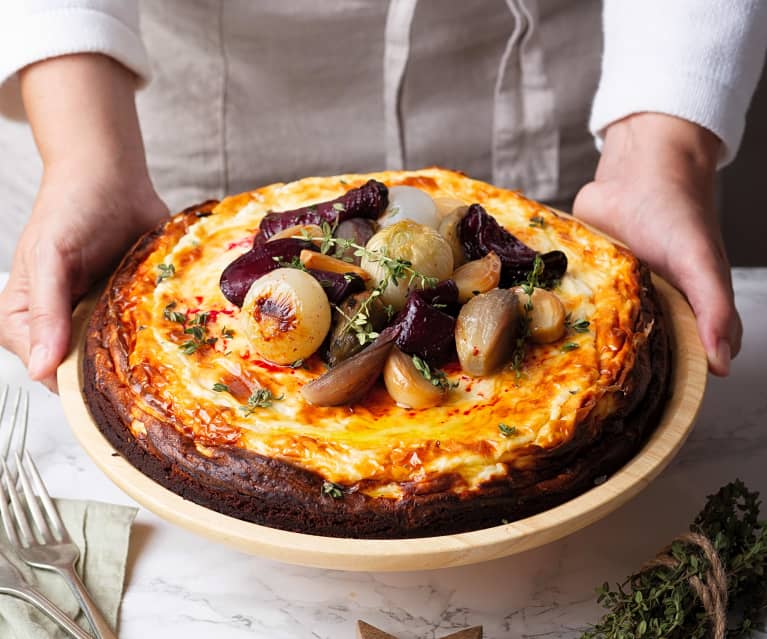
95, 199
80, 226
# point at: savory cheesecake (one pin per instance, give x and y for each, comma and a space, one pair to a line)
397, 354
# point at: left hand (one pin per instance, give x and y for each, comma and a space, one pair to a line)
654, 190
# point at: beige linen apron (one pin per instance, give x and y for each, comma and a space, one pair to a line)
247, 92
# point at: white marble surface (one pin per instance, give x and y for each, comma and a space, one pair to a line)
181, 585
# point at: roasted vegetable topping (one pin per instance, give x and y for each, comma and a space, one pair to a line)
369, 200
351, 379
480, 234
407, 256
288, 315
407, 385
426, 331
356, 321
238, 277
486, 331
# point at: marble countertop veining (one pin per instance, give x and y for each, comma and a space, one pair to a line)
181, 585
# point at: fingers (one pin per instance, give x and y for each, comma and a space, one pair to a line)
14, 318
706, 283
684, 250
50, 314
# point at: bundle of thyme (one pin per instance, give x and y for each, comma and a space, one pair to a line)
687, 592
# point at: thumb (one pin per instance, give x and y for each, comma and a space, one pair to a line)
50, 314
590, 205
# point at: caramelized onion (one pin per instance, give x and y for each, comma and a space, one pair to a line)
486, 331
351, 379
288, 315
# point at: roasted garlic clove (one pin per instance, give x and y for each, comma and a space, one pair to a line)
545, 313
407, 386
288, 315
477, 276
486, 331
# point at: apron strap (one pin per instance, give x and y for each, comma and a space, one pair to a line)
525, 149
399, 19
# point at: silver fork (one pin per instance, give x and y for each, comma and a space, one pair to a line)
51, 547
14, 583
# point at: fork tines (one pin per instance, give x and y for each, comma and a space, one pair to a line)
22, 534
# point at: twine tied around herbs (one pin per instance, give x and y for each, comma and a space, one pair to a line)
712, 589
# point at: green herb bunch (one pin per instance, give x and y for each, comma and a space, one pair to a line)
661, 602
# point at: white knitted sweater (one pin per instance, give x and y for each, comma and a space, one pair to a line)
695, 59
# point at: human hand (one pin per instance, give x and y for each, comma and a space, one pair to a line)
654, 190
94, 200
79, 227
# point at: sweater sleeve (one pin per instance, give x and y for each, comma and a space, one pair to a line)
33, 30
695, 59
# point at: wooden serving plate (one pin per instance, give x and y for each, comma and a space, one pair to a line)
688, 382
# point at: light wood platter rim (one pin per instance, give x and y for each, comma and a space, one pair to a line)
688, 383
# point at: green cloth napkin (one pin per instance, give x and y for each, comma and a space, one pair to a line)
102, 532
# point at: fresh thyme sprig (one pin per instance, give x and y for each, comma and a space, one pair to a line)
172, 315
262, 398
528, 288
579, 326
197, 327
661, 603
333, 490
360, 322
166, 272
395, 270
436, 376
506, 430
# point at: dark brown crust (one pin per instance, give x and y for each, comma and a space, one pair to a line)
274, 493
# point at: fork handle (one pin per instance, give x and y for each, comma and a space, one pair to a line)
99, 625
42, 603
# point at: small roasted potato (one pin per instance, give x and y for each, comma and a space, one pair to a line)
545, 312
407, 386
486, 331
477, 276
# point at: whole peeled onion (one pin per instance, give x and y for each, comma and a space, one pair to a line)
421, 247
